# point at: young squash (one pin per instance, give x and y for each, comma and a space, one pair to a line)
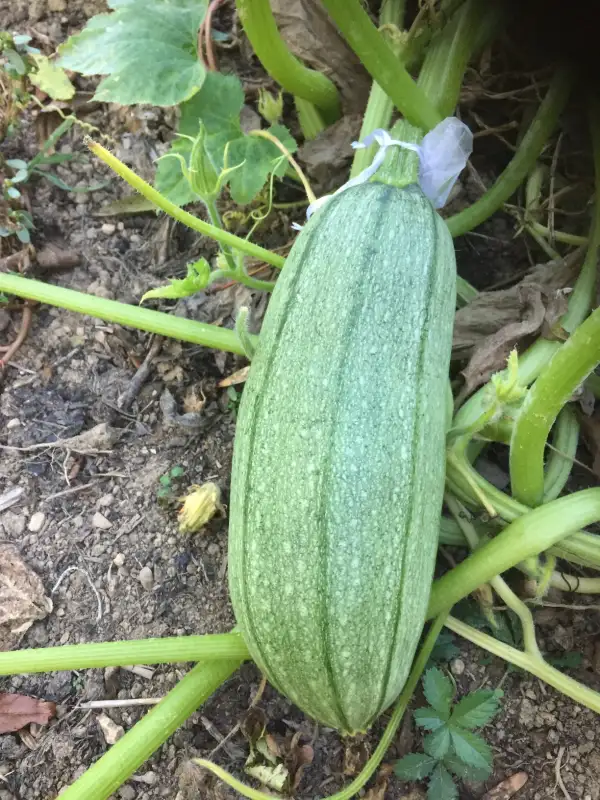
338, 469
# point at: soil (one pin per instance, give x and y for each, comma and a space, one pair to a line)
101, 514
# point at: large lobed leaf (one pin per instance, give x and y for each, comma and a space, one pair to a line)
149, 51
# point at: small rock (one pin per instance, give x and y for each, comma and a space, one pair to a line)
106, 500
15, 422
146, 578
527, 713
108, 228
110, 730
100, 521
148, 777
57, 5
36, 523
457, 666
119, 560
127, 793
13, 524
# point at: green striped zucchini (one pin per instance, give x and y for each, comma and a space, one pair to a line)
338, 469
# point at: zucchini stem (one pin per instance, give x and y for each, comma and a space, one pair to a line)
523, 161
261, 29
381, 62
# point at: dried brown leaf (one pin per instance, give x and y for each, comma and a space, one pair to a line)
297, 759
22, 598
507, 788
377, 792
313, 38
237, 377
18, 710
492, 324
327, 157
356, 755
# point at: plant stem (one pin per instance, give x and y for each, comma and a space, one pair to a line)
150, 193
260, 28
380, 61
311, 121
536, 666
123, 314
562, 454
527, 536
170, 650
215, 218
379, 110
388, 735
569, 367
532, 144
138, 744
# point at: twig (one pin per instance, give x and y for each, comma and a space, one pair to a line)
89, 580
11, 349
71, 490
236, 727
139, 701
10, 498
558, 776
141, 376
207, 25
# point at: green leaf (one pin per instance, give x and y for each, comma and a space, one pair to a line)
51, 79
437, 744
438, 689
217, 106
471, 748
149, 51
441, 785
170, 180
197, 278
430, 719
13, 193
177, 472
16, 61
414, 766
16, 163
464, 771
476, 708
444, 649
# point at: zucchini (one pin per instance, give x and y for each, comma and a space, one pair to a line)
339, 455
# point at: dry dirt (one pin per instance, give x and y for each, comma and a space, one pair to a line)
67, 379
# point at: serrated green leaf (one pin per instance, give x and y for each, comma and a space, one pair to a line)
197, 278
441, 785
429, 718
476, 708
51, 79
437, 744
444, 649
464, 771
438, 689
414, 766
471, 748
147, 50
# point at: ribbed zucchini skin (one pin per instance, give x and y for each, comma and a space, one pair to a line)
338, 468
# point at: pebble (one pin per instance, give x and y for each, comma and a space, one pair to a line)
146, 578
457, 666
106, 500
100, 521
127, 793
119, 560
13, 423
108, 228
36, 523
110, 730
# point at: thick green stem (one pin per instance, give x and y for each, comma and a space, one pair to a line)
527, 536
382, 64
562, 454
138, 744
260, 27
532, 144
388, 735
379, 110
535, 665
150, 193
170, 650
567, 370
311, 121
123, 314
